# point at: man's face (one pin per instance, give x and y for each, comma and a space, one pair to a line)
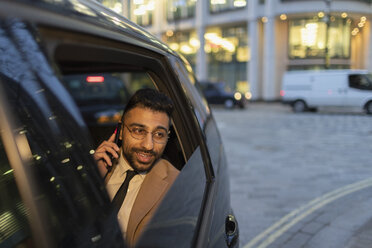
142, 154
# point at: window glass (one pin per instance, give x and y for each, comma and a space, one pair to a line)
142, 11
222, 5
14, 227
308, 38
177, 9
228, 53
184, 42
362, 82
176, 218
196, 101
69, 188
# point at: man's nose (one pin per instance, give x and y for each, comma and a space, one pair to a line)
148, 142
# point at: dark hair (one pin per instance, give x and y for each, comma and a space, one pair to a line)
151, 99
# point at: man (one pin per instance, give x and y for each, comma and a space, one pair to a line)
144, 134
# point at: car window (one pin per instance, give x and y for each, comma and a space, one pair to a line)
14, 224
101, 97
361, 81
68, 190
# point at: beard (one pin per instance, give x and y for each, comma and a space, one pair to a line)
131, 154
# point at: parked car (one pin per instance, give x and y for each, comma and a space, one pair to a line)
67, 69
215, 93
308, 90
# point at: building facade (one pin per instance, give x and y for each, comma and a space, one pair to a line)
249, 44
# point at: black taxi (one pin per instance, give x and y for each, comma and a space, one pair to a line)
67, 69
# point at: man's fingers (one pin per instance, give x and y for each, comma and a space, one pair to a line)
111, 141
105, 152
106, 146
112, 137
103, 156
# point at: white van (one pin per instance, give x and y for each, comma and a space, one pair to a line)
308, 90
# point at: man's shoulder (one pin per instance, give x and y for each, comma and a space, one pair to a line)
170, 169
169, 166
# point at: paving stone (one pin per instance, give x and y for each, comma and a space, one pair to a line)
312, 227
299, 240
280, 161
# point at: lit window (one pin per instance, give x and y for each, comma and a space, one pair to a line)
308, 38
142, 11
185, 42
115, 5
228, 54
222, 5
177, 9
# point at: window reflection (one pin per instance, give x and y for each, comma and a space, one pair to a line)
14, 228
68, 185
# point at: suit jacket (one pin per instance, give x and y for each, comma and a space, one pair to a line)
154, 187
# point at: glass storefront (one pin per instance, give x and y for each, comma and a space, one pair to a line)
185, 43
142, 11
227, 56
177, 9
308, 38
223, 5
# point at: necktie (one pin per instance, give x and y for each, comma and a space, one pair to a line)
122, 192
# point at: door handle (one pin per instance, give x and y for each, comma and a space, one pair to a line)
231, 231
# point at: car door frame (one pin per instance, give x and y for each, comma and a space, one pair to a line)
160, 65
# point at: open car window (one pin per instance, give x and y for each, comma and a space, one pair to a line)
101, 98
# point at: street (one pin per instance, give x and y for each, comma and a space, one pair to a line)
299, 180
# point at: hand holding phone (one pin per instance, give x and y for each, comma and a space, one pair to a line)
107, 152
116, 141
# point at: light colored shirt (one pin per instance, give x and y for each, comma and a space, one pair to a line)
113, 185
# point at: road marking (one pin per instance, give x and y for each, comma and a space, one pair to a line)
300, 213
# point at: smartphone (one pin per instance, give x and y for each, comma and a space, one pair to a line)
117, 141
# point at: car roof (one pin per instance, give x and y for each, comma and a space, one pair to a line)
84, 16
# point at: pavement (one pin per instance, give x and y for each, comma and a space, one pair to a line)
299, 180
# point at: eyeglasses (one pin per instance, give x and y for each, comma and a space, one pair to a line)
158, 136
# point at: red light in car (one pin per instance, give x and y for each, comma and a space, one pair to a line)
282, 92
95, 79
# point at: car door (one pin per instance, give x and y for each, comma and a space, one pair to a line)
180, 216
51, 192
218, 222
328, 89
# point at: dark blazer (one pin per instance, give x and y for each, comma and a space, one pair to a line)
154, 187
